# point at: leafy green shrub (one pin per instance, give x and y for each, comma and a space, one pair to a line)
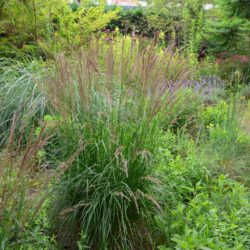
180, 165
42, 28
215, 115
109, 102
201, 210
180, 168
216, 218
132, 20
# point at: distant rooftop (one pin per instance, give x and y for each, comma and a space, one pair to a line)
136, 3
123, 3
131, 3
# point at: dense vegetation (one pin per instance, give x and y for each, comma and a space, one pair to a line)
124, 128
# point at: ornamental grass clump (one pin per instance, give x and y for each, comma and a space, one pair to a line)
21, 183
19, 93
110, 99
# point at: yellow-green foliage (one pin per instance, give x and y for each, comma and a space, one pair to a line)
29, 19
50, 24
76, 26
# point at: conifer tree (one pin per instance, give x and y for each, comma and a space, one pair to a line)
229, 30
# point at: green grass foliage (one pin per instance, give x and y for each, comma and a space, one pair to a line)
110, 115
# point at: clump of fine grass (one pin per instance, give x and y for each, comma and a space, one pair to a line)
18, 92
110, 99
226, 139
21, 184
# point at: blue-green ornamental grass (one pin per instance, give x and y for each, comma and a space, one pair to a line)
110, 110
19, 93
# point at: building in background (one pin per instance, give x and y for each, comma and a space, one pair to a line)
122, 3
127, 3
135, 3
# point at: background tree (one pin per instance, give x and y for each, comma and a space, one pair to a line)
180, 20
49, 25
229, 28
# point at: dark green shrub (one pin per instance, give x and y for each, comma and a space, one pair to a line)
133, 20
